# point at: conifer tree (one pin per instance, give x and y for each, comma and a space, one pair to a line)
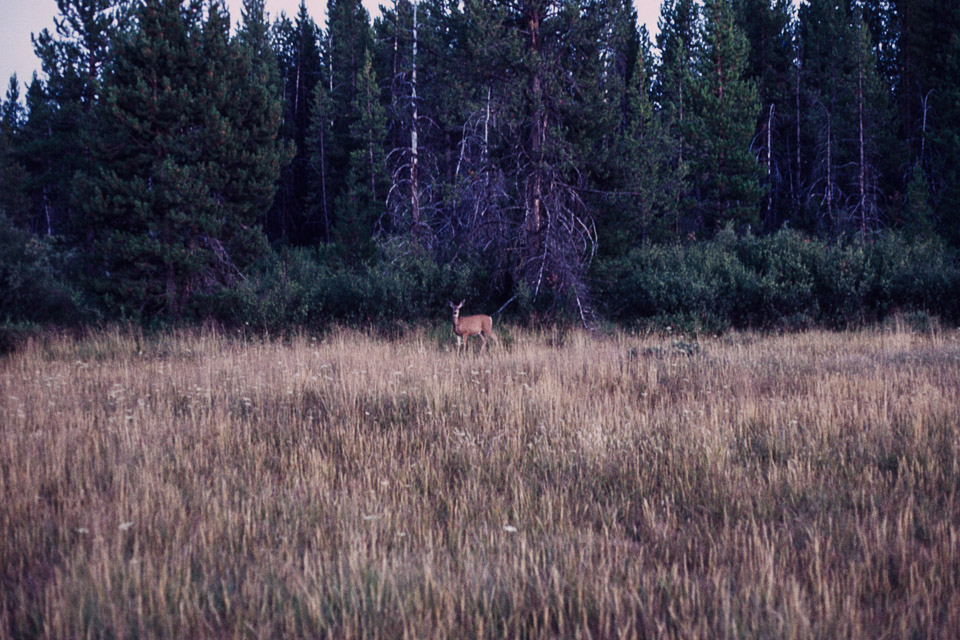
348, 42
928, 101
57, 141
183, 165
677, 41
361, 203
13, 199
257, 112
40, 145
823, 33
648, 180
869, 103
548, 66
319, 136
724, 173
300, 67
847, 118
768, 26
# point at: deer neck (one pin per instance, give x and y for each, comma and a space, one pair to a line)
456, 321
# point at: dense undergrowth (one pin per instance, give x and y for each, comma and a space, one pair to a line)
784, 281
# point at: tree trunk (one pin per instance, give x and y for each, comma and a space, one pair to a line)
862, 169
770, 221
796, 186
414, 151
534, 214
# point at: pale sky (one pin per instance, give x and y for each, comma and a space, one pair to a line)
20, 18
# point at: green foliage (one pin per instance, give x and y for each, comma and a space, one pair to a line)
315, 288
917, 215
299, 64
786, 280
186, 161
642, 170
32, 288
13, 198
59, 132
361, 202
724, 173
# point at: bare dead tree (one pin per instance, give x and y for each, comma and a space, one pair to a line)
824, 192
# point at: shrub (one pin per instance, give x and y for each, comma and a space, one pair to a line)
33, 288
786, 280
313, 287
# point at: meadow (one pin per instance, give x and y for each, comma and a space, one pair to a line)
204, 484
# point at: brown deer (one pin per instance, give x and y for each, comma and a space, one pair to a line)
471, 326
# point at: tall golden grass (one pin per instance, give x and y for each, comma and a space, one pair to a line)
566, 485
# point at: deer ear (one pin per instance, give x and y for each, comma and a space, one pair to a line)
461, 302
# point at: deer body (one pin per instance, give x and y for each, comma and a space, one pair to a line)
478, 325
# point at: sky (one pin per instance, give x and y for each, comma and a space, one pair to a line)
20, 18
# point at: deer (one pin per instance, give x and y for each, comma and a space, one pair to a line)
478, 325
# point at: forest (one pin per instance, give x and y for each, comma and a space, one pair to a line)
721, 259
755, 164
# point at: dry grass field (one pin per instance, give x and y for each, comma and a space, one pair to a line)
197, 485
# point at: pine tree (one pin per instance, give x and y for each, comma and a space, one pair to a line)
550, 68
13, 198
917, 216
928, 100
183, 165
319, 136
946, 137
41, 143
300, 67
348, 42
725, 176
257, 112
847, 120
58, 140
677, 41
361, 203
767, 24
870, 102
397, 39
822, 29
647, 180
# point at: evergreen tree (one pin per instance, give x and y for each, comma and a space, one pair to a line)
348, 43
677, 41
361, 203
946, 137
13, 198
647, 180
57, 141
300, 67
871, 121
879, 16
724, 172
11, 111
822, 29
847, 118
767, 24
184, 164
928, 100
548, 67
917, 216
42, 142
319, 136
257, 113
